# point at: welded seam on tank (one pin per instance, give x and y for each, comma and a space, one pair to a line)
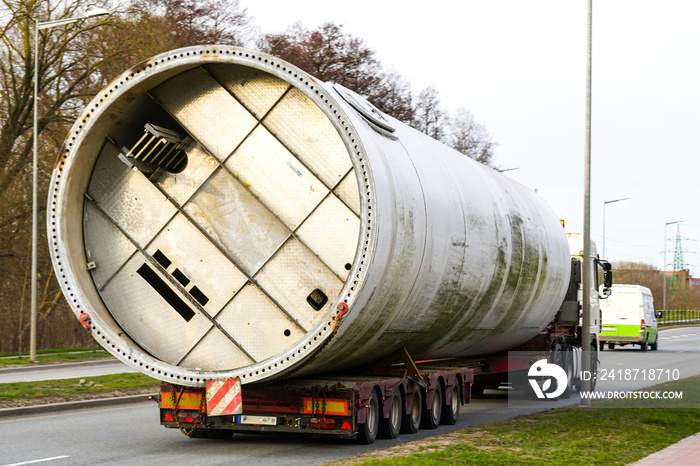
533, 293
456, 326
425, 219
171, 279
520, 275
400, 305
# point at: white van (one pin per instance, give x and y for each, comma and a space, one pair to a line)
628, 318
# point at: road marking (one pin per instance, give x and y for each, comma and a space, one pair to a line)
38, 461
679, 336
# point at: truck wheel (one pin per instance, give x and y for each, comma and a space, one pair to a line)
611, 345
569, 369
367, 432
655, 345
410, 423
389, 427
450, 412
601, 346
219, 434
644, 346
594, 366
432, 413
198, 433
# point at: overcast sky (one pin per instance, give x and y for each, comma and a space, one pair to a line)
520, 66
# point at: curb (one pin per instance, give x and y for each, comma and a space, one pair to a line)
75, 405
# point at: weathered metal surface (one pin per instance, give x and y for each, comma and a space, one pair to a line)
292, 202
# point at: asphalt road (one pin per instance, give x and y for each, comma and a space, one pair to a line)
132, 436
64, 371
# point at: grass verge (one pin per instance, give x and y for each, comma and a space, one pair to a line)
54, 356
55, 391
603, 434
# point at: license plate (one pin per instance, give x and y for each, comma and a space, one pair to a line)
257, 420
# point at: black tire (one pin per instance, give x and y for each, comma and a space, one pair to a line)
219, 434
569, 369
450, 412
594, 366
410, 423
367, 432
655, 345
389, 427
198, 433
601, 346
644, 346
611, 345
433, 412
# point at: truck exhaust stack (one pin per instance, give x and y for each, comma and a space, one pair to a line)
217, 212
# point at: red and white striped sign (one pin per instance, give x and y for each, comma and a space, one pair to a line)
224, 397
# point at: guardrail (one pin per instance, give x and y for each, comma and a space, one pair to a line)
678, 317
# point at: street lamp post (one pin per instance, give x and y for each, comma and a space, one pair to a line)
38, 25
586, 266
664, 272
604, 204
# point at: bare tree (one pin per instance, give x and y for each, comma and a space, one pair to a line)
638, 273
429, 117
471, 138
330, 54
74, 62
393, 96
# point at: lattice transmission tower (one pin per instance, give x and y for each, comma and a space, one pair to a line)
678, 280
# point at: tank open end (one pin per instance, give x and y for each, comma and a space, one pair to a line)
209, 199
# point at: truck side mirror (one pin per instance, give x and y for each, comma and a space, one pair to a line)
659, 314
607, 277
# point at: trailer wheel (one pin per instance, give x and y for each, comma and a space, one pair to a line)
389, 427
569, 369
198, 433
367, 432
219, 434
410, 423
450, 412
432, 413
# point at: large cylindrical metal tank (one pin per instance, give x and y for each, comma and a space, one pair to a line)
215, 211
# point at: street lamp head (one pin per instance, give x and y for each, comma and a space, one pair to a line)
673, 223
616, 200
62, 22
96, 12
